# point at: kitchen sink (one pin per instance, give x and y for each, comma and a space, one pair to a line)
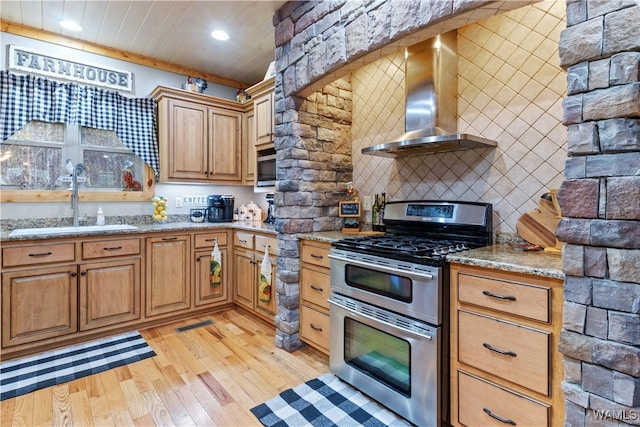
71, 230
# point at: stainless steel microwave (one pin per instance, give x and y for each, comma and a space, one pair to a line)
266, 168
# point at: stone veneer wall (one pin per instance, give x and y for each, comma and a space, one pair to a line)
600, 200
318, 43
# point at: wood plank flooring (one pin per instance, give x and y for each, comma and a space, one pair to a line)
208, 376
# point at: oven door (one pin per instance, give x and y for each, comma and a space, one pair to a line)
396, 361
414, 290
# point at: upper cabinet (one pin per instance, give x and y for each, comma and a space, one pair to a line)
263, 107
200, 137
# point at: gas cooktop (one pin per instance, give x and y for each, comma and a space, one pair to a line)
426, 231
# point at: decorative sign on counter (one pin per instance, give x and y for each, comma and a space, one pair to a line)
349, 209
35, 62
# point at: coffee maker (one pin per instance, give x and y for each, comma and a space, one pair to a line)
220, 208
271, 218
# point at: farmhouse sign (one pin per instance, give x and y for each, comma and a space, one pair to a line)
34, 62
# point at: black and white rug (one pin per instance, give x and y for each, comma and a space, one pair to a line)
21, 376
323, 402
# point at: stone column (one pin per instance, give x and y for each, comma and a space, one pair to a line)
600, 200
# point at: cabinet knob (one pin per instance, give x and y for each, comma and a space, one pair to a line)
83, 273
73, 274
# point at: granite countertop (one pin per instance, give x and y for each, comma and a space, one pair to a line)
149, 228
332, 236
503, 257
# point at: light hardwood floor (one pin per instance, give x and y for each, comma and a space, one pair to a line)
208, 376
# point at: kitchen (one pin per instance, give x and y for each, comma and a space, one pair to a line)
330, 221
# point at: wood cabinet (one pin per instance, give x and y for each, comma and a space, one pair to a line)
110, 286
262, 95
249, 147
168, 287
248, 254
505, 330
208, 292
200, 137
315, 287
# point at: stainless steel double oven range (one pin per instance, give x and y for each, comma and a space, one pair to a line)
389, 304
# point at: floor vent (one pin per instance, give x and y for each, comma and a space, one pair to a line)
195, 325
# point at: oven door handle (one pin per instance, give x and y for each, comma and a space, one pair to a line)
385, 268
391, 325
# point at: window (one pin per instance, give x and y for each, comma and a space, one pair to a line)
35, 159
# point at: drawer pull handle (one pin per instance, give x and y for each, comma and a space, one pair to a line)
492, 295
242, 241
41, 254
252, 262
113, 248
169, 238
315, 328
502, 420
210, 240
317, 256
497, 350
315, 288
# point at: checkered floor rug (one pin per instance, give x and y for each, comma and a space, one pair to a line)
324, 401
21, 376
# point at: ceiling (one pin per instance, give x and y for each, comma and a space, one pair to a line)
174, 32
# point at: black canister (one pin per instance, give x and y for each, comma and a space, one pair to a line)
227, 202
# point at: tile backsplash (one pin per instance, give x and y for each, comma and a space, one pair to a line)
510, 89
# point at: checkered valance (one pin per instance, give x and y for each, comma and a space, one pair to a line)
26, 97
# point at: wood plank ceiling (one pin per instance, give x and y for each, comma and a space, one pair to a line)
174, 32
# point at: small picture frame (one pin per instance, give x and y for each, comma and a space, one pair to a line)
351, 209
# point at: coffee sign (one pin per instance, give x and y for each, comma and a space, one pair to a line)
34, 62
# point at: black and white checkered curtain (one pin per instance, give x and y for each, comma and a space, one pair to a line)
25, 97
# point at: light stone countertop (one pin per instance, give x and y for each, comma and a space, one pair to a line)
503, 257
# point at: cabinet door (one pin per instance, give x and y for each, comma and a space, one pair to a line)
268, 307
225, 145
188, 142
207, 292
109, 293
39, 304
249, 155
245, 278
263, 107
168, 274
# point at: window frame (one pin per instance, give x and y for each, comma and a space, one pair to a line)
62, 195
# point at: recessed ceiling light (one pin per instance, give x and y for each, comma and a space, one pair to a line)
220, 35
70, 25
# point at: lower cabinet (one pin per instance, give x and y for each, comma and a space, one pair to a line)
109, 293
249, 249
39, 304
210, 288
168, 287
315, 288
505, 365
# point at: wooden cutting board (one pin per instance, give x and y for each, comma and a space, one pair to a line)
539, 225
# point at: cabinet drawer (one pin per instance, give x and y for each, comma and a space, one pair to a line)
109, 248
38, 254
244, 240
315, 254
526, 362
315, 287
314, 327
206, 240
263, 241
520, 299
484, 404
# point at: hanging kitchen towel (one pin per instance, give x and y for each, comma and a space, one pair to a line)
215, 269
265, 277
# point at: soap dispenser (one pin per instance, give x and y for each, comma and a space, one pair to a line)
100, 217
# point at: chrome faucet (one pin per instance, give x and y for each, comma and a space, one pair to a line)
77, 171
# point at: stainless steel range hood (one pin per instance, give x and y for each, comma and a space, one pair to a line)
431, 82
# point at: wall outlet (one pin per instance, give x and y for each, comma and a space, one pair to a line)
179, 202
367, 203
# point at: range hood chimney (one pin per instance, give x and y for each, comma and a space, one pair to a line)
431, 82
